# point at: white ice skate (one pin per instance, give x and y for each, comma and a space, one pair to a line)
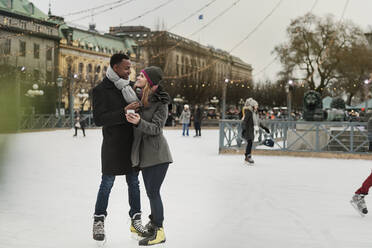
357, 201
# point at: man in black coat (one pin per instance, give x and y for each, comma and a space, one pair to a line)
109, 109
198, 117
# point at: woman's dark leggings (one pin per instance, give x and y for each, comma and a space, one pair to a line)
248, 149
153, 177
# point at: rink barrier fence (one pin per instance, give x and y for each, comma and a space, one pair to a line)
52, 121
299, 136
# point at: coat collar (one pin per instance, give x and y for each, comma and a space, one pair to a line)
107, 83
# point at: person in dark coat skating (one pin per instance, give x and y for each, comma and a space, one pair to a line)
79, 123
198, 117
109, 109
250, 122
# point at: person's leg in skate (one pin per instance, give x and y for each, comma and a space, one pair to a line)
134, 197
153, 178
358, 198
248, 152
100, 211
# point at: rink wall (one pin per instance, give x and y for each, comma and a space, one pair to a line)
300, 138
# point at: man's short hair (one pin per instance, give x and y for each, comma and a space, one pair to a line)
117, 58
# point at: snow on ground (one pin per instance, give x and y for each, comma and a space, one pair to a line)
49, 182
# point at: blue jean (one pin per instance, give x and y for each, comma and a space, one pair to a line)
185, 127
153, 177
104, 193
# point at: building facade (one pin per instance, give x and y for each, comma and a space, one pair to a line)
84, 56
29, 46
191, 69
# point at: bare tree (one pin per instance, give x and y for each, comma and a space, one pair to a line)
316, 48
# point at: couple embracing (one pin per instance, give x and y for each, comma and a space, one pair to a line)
132, 116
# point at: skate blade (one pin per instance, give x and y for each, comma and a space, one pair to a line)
100, 244
356, 208
135, 236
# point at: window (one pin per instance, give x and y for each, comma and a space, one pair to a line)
23, 24
89, 68
98, 69
104, 71
7, 46
36, 51
49, 53
81, 68
22, 48
49, 76
36, 74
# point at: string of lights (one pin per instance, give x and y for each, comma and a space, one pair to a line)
245, 38
200, 29
180, 22
146, 12
92, 9
215, 18
257, 27
102, 11
273, 60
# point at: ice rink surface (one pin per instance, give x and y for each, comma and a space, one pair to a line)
49, 182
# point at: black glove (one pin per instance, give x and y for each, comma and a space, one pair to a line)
266, 130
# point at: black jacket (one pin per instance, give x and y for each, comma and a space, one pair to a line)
198, 115
248, 125
108, 112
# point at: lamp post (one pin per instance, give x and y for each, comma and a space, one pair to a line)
18, 98
288, 87
59, 84
366, 84
34, 92
224, 98
214, 101
178, 101
71, 100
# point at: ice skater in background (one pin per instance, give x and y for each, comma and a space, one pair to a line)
249, 124
185, 120
198, 117
79, 123
358, 199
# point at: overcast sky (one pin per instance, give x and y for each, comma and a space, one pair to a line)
226, 31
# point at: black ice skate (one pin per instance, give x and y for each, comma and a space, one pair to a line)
357, 201
137, 228
99, 230
157, 237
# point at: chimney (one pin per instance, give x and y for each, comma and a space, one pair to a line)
92, 27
